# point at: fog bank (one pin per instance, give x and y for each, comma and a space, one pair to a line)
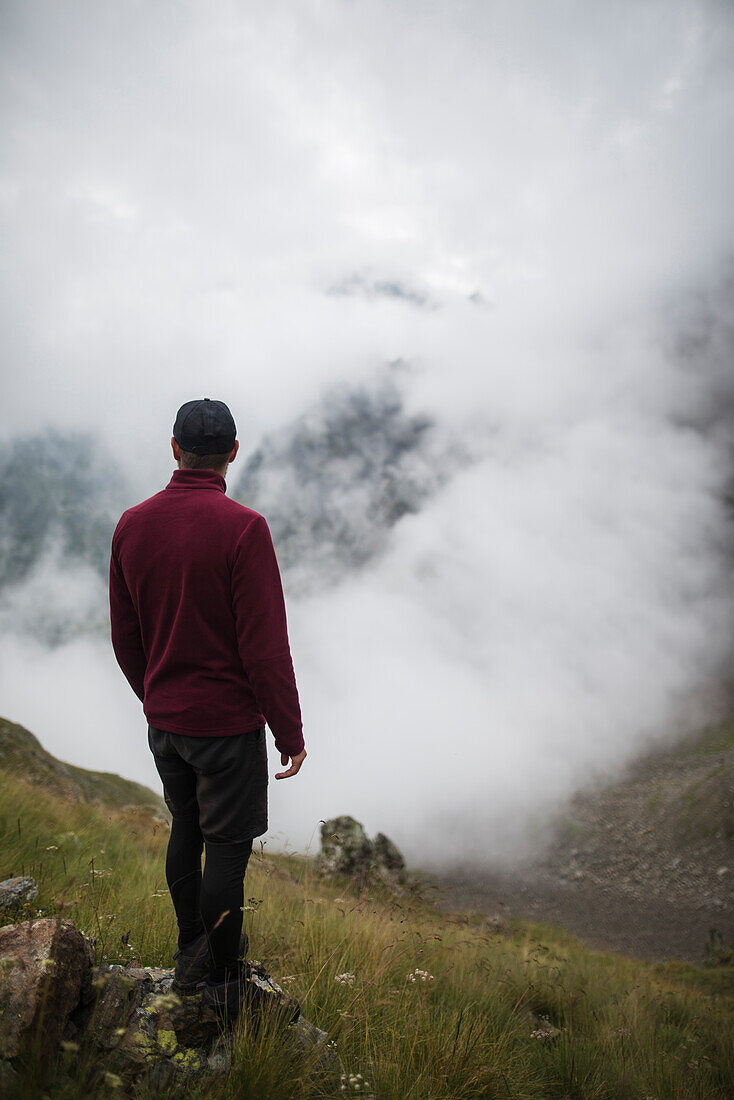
526, 212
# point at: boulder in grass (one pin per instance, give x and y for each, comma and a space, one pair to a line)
347, 850
43, 966
17, 892
345, 847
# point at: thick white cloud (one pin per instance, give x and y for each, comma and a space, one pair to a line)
183, 183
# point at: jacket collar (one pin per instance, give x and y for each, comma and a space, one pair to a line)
197, 479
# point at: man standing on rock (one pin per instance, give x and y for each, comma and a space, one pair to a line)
199, 630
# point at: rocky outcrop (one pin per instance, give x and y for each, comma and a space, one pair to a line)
139, 1032
144, 1030
43, 968
347, 850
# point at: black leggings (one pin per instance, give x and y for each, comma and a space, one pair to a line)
211, 902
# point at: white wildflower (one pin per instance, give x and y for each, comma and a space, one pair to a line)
345, 979
419, 976
354, 1082
541, 1035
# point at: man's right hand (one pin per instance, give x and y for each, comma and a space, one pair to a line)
295, 767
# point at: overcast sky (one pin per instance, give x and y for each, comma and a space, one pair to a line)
528, 202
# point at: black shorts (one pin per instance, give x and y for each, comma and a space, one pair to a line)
221, 781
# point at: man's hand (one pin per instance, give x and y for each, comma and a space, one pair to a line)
295, 767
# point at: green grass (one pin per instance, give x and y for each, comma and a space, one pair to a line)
618, 1027
571, 831
710, 739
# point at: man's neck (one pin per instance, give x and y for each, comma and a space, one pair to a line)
222, 472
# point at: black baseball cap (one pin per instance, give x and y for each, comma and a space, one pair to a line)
205, 427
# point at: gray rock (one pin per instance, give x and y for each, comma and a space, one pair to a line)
347, 850
17, 892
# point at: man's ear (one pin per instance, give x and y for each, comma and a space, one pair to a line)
235, 449
176, 449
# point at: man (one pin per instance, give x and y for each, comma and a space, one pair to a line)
199, 630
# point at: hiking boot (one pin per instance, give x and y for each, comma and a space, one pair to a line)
253, 990
192, 963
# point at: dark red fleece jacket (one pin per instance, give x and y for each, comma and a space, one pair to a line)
198, 616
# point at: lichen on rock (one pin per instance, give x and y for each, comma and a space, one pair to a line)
167, 1040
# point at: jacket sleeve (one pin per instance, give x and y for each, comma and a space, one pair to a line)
262, 634
125, 629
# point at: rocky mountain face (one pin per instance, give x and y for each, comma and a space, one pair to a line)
58, 492
335, 482
60, 497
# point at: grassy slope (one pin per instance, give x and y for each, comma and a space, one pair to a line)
683, 792
627, 1028
23, 754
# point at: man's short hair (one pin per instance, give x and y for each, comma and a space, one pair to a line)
190, 461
